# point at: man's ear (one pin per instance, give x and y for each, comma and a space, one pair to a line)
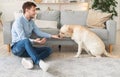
26, 10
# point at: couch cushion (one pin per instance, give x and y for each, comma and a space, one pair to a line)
51, 31
102, 33
47, 30
46, 24
73, 17
66, 41
49, 15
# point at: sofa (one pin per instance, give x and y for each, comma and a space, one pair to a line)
107, 34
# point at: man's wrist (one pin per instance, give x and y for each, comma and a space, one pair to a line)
51, 36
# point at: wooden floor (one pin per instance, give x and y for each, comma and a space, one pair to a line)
3, 48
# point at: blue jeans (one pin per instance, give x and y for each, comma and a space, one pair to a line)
24, 48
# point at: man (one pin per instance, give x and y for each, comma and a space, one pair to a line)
22, 43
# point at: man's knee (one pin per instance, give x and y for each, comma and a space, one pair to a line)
26, 40
49, 50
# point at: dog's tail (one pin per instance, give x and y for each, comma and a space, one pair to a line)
110, 55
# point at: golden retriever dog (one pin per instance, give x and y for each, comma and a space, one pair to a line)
85, 39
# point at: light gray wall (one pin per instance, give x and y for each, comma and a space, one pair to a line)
8, 7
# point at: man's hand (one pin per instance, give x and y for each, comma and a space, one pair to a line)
56, 37
40, 41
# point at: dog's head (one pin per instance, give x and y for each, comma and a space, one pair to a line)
66, 31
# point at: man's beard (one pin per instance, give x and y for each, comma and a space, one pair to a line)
31, 17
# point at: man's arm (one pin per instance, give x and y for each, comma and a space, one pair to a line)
43, 34
39, 33
19, 30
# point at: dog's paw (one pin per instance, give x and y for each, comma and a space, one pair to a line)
77, 56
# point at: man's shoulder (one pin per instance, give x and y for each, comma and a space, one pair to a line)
19, 20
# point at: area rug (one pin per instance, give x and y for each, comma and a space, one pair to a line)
70, 67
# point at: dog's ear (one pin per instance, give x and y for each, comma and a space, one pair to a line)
70, 29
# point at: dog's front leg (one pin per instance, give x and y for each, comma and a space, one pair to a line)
79, 49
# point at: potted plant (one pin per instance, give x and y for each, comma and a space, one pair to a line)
106, 6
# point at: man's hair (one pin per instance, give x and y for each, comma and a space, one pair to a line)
28, 5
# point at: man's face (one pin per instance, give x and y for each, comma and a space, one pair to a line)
31, 12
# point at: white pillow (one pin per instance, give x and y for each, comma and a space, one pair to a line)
96, 19
46, 24
17, 14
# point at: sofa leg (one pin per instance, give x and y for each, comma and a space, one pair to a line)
59, 47
110, 48
8, 48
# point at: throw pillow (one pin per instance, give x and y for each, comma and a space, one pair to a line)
96, 19
17, 14
46, 24
73, 17
49, 15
